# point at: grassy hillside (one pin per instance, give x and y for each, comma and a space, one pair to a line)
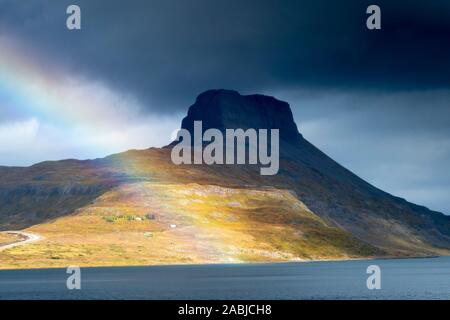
151, 223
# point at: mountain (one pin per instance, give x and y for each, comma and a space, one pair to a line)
137, 207
328, 189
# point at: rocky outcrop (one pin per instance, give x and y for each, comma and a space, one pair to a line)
227, 109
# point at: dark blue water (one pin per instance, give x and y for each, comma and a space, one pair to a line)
400, 279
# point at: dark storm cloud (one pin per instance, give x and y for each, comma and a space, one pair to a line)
376, 101
166, 52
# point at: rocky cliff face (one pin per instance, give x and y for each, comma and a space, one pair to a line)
227, 109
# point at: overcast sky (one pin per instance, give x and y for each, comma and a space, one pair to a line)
378, 102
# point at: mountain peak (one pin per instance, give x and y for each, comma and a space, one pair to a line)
228, 109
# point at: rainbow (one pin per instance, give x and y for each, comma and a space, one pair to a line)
28, 87
85, 110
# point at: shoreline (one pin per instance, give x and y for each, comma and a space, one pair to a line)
229, 264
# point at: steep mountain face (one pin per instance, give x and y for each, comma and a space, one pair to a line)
327, 188
316, 196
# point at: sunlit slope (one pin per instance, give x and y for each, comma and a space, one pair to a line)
151, 223
395, 226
